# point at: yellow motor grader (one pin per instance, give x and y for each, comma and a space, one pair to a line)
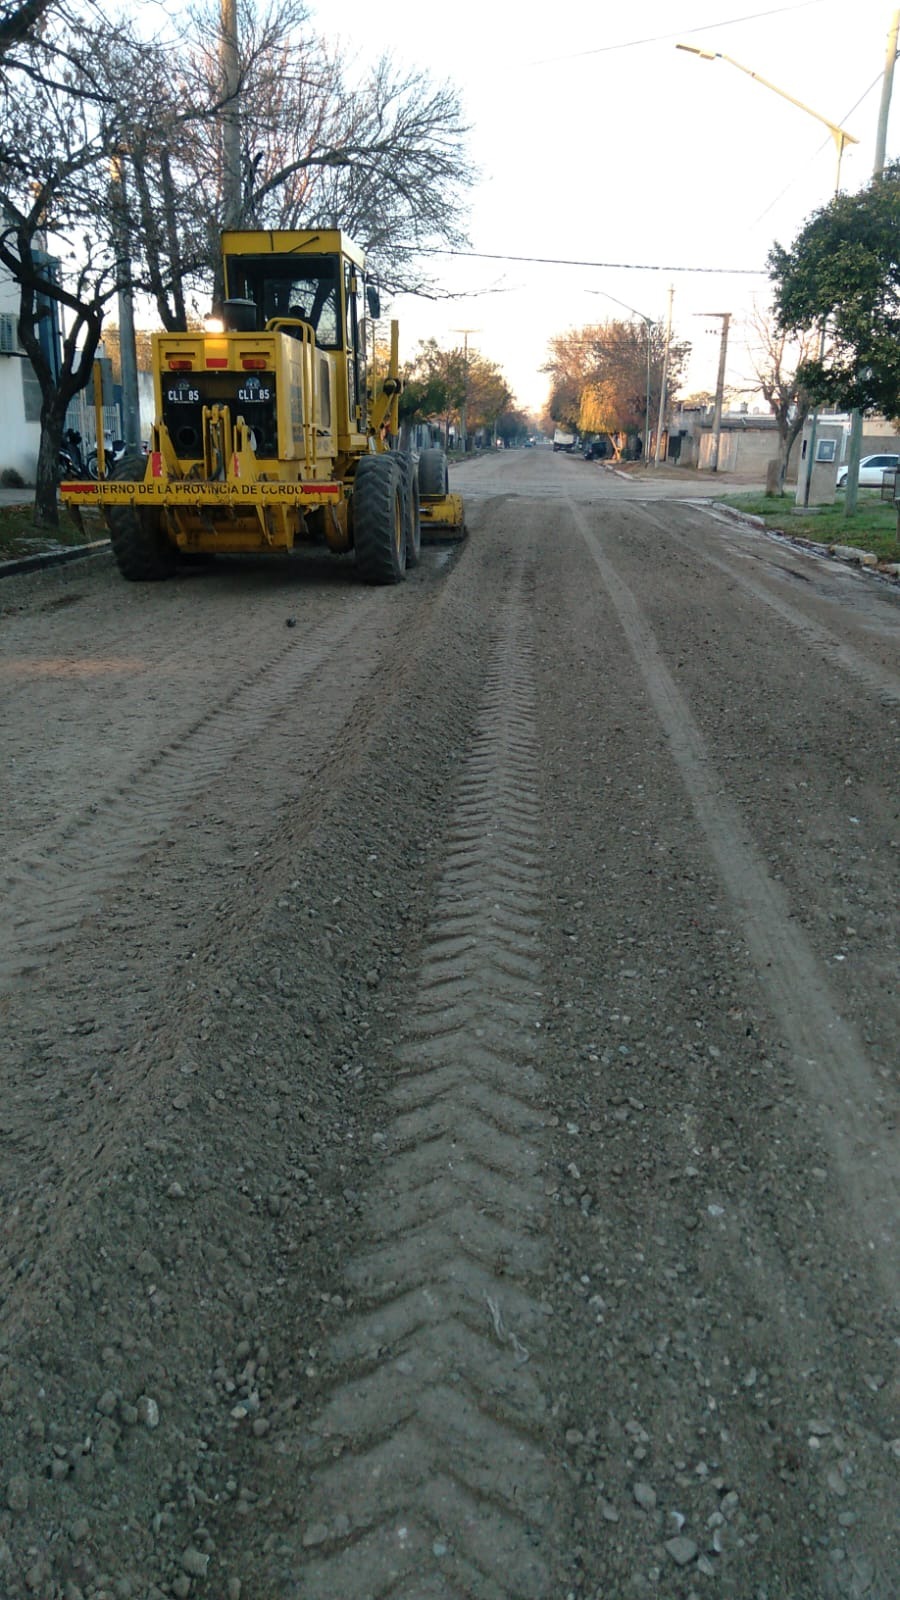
269, 432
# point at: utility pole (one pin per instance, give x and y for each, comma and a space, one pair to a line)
465, 401
131, 405
725, 317
665, 378
851, 494
886, 88
841, 139
229, 64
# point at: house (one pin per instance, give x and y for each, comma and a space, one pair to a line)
747, 442
20, 395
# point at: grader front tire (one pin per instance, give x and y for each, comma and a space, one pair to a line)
434, 479
380, 520
142, 551
409, 468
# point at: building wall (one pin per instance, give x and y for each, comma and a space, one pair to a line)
20, 397
741, 449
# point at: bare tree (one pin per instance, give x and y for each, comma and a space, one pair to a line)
776, 360
383, 158
59, 124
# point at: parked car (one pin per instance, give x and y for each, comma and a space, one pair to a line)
871, 471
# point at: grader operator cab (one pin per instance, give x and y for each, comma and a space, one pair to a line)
271, 432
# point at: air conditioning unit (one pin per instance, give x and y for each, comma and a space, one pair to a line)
9, 337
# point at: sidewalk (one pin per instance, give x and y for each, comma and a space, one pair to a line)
749, 481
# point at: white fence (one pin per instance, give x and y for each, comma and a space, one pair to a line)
82, 416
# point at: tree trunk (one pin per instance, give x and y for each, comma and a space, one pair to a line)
176, 270
46, 494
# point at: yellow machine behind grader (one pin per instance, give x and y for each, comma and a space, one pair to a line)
270, 432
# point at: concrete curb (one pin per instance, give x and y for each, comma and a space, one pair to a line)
52, 558
848, 555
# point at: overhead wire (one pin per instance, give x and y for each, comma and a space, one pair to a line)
661, 38
563, 261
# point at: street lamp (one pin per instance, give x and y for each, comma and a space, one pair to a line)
840, 135
464, 408
649, 324
841, 138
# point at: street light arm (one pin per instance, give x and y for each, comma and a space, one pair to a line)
840, 135
625, 307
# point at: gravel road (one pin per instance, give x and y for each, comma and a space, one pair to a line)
448, 1069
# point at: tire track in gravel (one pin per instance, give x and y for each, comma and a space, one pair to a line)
429, 1467
885, 685
53, 882
826, 1051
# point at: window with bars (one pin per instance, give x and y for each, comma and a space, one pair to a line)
9, 337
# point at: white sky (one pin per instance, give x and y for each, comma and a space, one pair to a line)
598, 141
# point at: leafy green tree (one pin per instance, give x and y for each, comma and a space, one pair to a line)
434, 384
841, 275
489, 395
514, 427
438, 382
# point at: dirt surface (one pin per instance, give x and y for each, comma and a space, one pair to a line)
449, 1067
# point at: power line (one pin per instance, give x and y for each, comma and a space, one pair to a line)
661, 38
563, 261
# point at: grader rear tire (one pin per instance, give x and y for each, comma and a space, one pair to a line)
142, 551
409, 468
380, 519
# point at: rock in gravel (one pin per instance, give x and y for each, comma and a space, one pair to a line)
18, 1492
645, 1496
682, 1550
317, 1533
195, 1562
148, 1411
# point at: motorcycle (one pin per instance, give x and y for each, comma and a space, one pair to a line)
71, 459
114, 451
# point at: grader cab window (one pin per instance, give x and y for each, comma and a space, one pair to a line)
288, 286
